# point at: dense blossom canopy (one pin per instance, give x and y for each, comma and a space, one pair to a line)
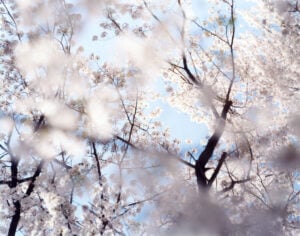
84, 149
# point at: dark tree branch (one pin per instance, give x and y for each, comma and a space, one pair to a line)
112, 19
210, 147
216, 172
12, 19
63, 164
189, 73
16, 202
33, 178
231, 50
233, 183
15, 219
5, 182
40, 123
97, 162
151, 12
210, 32
207, 153
195, 81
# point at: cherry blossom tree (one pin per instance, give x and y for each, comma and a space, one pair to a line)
84, 150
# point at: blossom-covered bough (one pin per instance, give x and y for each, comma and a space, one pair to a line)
83, 148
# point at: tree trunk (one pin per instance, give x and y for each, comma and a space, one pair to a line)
15, 219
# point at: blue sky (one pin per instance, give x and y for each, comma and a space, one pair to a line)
181, 126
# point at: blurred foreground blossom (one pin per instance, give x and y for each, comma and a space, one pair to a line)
85, 145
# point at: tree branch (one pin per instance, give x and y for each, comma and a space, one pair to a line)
156, 153
216, 172
34, 177
233, 183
